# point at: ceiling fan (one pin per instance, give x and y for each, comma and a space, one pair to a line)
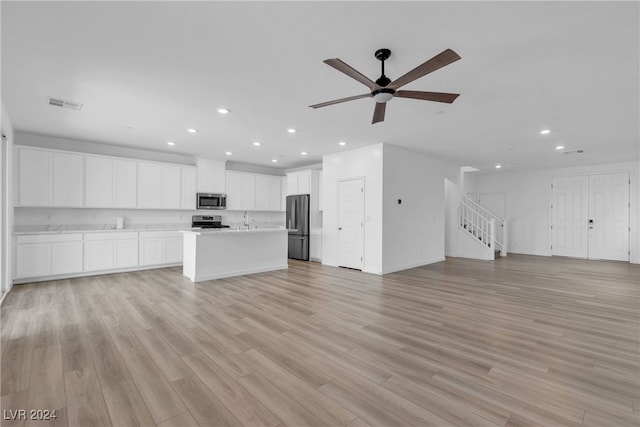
383, 89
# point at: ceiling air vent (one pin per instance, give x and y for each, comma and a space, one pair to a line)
65, 104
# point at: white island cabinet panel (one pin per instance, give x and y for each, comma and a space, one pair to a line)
216, 254
149, 188
125, 191
34, 178
68, 180
98, 184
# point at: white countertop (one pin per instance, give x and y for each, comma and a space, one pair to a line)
232, 230
21, 230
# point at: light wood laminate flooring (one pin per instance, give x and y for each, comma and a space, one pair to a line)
519, 341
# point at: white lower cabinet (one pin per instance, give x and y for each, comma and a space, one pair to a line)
33, 260
160, 247
108, 251
173, 250
41, 256
126, 252
48, 255
66, 257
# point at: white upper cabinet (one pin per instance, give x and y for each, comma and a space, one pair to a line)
299, 182
48, 178
170, 187
109, 183
125, 189
63, 179
34, 178
149, 188
304, 182
211, 176
98, 184
241, 191
68, 180
268, 193
159, 186
189, 187
292, 183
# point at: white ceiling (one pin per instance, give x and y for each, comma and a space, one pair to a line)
146, 71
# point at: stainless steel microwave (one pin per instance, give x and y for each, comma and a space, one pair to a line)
211, 201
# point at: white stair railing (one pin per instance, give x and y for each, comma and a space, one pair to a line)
481, 223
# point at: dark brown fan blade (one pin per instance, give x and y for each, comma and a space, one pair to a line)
337, 101
378, 113
445, 58
351, 72
427, 96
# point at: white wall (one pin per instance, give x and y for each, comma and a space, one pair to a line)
527, 204
452, 200
414, 230
6, 202
363, 162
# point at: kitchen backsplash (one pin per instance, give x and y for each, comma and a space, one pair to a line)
60, 216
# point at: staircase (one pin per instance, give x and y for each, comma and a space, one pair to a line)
481, 224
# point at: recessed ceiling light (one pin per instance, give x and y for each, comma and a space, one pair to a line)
223, 111
291, 130
228, 153
274, 160
498, 166
191, 130
257, 144
304, 153
171, 143
342, 143
544, 131
560, 147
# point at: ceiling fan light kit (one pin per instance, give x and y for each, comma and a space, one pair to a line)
384, 90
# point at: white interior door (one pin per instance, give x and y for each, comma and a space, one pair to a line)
494, 203
351, 223
569, 211
608, 220
590, 216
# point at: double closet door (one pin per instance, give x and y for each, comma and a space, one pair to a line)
590, 216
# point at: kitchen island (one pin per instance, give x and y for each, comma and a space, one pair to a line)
227, 252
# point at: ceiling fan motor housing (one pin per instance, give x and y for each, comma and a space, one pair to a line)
383, 94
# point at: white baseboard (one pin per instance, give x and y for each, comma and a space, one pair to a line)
413, 265
239, 272
91, 273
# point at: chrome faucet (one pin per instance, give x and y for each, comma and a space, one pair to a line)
246, 219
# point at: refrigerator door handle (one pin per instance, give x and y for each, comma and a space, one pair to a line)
293, 213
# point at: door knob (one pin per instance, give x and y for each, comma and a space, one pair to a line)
340, 228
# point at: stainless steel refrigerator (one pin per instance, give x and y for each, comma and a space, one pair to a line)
298, 226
